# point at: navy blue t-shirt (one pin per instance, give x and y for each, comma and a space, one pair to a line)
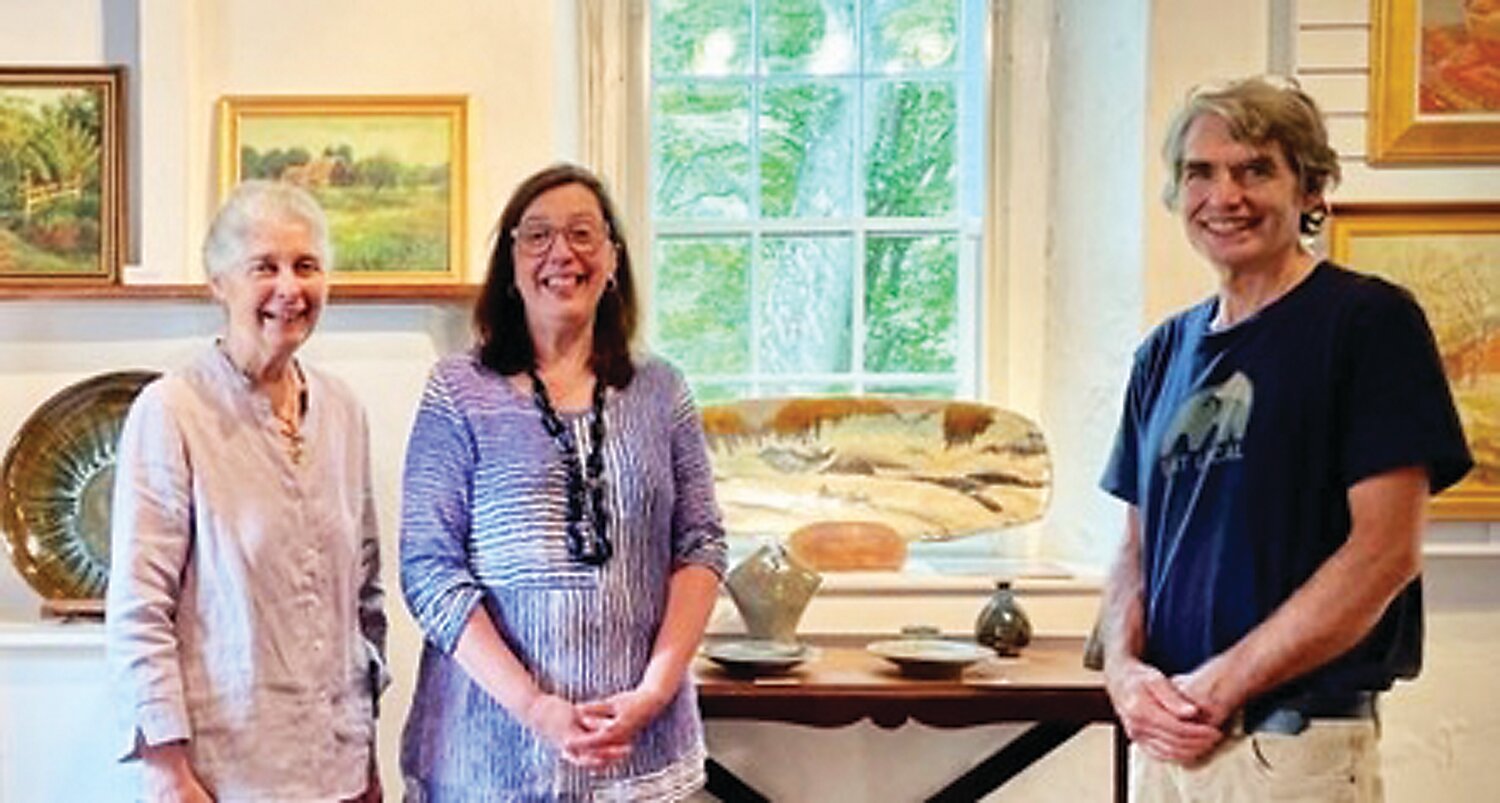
1238, 447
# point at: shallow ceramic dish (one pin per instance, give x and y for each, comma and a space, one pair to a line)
930, 657
757, 656
56, 482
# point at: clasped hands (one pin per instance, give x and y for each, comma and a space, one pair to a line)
593, 734
1180, 718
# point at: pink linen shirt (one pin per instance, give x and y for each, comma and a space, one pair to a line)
244, 604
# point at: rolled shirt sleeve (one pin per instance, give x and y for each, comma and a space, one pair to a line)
697, 525
436, 495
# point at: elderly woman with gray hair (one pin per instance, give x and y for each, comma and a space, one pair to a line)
245, 629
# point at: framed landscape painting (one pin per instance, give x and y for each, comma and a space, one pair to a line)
389, 172
1434, 81
61, 176
1448, 255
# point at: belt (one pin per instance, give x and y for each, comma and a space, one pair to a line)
1292, 715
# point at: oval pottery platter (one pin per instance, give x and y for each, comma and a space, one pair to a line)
758, 656
932, 469
930, 658
58, 477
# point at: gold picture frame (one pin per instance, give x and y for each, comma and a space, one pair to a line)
1425, 104
62, 156
390, 172
1448, 256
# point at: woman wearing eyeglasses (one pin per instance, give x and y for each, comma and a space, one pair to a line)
560, 545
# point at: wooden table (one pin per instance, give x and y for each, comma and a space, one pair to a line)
1046, 685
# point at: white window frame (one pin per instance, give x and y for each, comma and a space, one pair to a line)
615, 121
1006, 326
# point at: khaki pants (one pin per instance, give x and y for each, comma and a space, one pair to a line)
1333, 761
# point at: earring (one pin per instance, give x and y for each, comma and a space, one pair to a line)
1313, 219
609, 284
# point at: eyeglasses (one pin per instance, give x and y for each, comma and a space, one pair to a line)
535, 238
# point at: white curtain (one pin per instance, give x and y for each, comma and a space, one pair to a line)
615, 126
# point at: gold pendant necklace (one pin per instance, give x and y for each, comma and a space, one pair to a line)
290, 421
292, 434
288, 424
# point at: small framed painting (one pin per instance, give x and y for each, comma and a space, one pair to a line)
61, 175
1434, 81
388, 171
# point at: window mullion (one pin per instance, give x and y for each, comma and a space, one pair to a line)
858, 211
754, 87
754, 232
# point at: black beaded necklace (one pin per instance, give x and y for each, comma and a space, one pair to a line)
587, 517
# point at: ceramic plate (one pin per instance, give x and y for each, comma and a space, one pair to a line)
56, 482
757, 657
930, 657
931, 469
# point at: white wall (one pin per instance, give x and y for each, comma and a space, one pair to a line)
1093, 275
1092, 267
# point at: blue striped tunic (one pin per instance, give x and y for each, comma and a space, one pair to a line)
484, 522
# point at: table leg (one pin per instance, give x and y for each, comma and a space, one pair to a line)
1122, 764
728, 787
1007, 762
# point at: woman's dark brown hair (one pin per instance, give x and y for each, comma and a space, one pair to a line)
505, 345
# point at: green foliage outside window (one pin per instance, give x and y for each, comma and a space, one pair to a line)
808, 160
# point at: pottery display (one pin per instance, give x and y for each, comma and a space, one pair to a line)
929, 469
771, 589
56, 485
1002, 624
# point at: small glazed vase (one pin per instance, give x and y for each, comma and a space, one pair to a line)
1093, 649
771, 589
1002, 625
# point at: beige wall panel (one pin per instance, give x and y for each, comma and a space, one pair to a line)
1333, 48
1347, 135
1338, 93
1330, 11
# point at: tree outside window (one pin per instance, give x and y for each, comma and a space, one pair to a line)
816, 194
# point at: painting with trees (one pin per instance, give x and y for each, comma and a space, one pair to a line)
388, 171
1448, 256
60, 160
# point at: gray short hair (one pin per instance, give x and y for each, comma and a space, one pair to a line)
254, 203
1260, 111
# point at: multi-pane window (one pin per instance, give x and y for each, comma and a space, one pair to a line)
816, 190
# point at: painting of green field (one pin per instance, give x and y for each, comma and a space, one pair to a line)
385, 180
1456, 279
52, 179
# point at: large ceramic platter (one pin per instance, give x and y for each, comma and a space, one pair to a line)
57, 479
932, 469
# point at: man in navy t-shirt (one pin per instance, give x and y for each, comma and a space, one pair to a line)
1277, 448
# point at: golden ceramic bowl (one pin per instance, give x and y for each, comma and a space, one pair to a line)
56, 484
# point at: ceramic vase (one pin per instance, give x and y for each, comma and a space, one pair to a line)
1003, 625
771, 589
